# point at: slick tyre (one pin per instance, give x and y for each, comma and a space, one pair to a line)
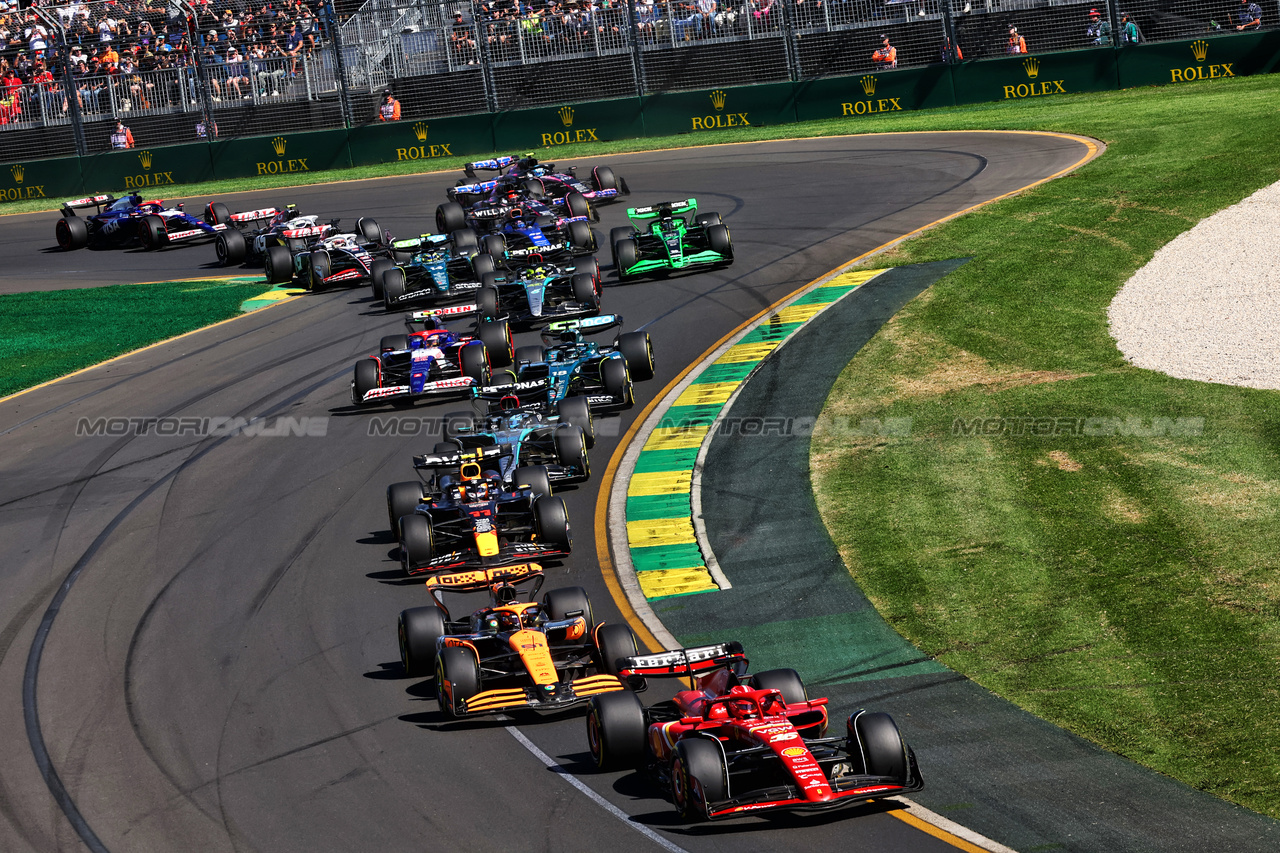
321, 268
230, 248
377, 270
457, 679
698, 777
450, 217
571, 450
464, 240
568, 602
616, 381
474, 363
488, 306
216, 213
494, 244
577, 205
626, 254
785, 681
876, 739
581, 236
616, 730
393, 287
551, 521
393, 343
496, 337
483, 263
707, 219
278, 264
72, 233
417, 542
531, 354
718, 240
637, 351
534, 478
402, 500
614, 641
418, 629
604, 178
151, 232
577, 412
584, 290
365, 379
369, 230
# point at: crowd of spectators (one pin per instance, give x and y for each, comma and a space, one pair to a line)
139, 54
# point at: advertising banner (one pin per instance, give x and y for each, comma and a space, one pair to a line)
1035, 76
595, 121
874, 94
424, 140
719, 109
282, 154
57, 180
150, 171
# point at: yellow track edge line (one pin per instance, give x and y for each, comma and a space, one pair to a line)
943, 829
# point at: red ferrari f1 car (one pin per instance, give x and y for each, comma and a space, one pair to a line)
739, 744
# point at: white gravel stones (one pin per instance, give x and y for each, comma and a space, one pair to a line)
1207, 306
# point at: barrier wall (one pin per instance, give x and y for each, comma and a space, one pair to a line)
1014, 77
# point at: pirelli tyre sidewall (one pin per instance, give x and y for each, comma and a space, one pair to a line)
457, 679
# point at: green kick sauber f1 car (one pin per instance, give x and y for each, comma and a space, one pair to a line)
669, 236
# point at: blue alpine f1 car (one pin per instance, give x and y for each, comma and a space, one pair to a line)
130, 221
541, 180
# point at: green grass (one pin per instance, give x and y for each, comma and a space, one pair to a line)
50, 334
1126, 587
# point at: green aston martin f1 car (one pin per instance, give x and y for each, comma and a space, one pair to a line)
669, 236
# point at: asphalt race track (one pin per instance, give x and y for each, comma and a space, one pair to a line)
197, 646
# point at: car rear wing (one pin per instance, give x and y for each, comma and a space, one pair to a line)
471, 189
498, 582
446, 313
455, 460
469, 169
310, 231
653, 211
98, 202
587, 325
684, 662
420, 241
255, 215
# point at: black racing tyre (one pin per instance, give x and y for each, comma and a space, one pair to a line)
402, 500
488, 306
531, 354
457, 678
151, 232
417, 541
533, 188
464, 240
786, 681
571, 449
418, 629
584, 290
230, 247
616, 730
444, 448
369, 230
278, 264
450, 217
456, 424
401, 257
475, 363
568, 601
365, 380
698, 777
216, 213
626, 253
295, 245
616, 380
535, 478
614, 642
604, 178
496, 337
577, 205
72, 233
710, 218
393, 342
494, 244
875, 738
581, 236
576, 410
393, 287
551, 521
321, 268
622, 232
483, 263
718, 240
588, 265
637, 350
376, 271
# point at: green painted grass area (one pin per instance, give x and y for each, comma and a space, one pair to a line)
1119, 576
50, 334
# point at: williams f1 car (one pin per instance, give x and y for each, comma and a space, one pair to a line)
130, 221
543, 655
478, 523
735, 745
669, 236
519, 230
433, 360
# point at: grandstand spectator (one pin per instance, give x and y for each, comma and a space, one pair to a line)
89, 88
109, 55
1250, 15
684, 17
106, 30
463, 41
292, 47
236, 73
1017, 44
215, 65
887, 56
1099, 29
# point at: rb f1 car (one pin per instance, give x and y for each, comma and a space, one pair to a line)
477, 523
129, 220
433, 360
737, 744
662, 238
546, 656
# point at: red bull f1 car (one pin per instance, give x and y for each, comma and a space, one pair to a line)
735, 745
130, 221
543, 655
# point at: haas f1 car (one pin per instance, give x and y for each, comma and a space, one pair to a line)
431, 361
544, 655
130, 221
735, 745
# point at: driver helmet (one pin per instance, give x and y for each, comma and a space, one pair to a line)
532, 616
